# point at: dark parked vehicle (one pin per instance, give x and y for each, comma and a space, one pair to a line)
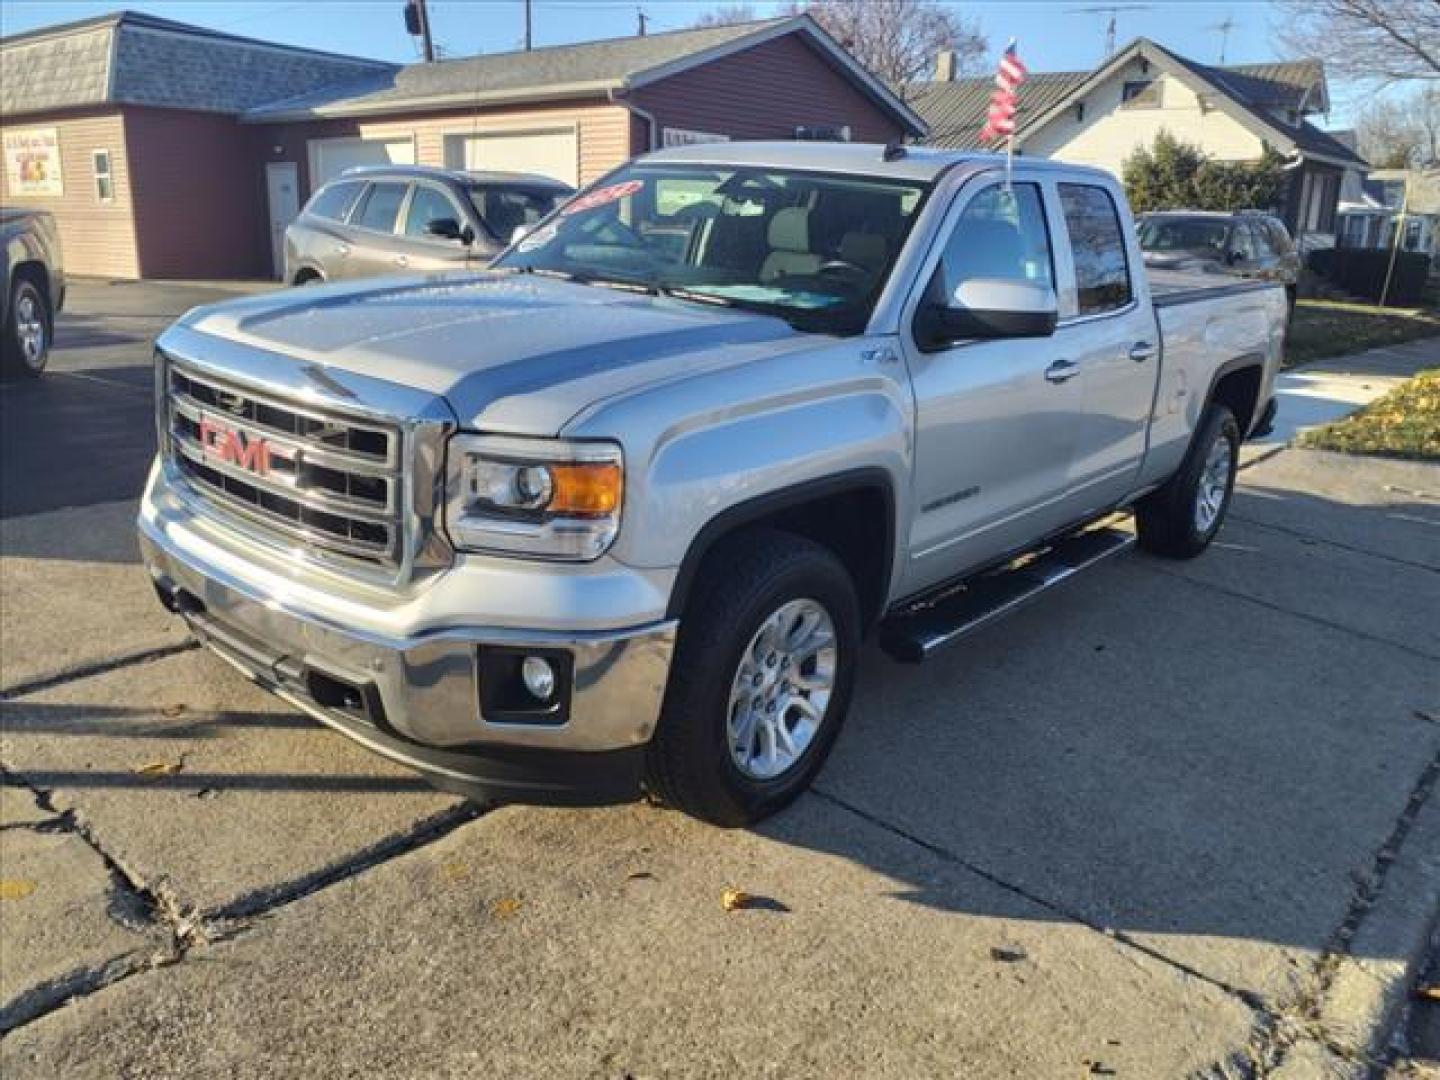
33, 290
390, 219
1246, 244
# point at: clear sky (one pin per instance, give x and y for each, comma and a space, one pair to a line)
1053, 36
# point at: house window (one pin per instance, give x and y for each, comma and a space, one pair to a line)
104, 182
823, 133
1140, 94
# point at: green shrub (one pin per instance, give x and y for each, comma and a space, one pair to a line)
1172, 175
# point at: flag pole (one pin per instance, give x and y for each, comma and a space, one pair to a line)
1010, 140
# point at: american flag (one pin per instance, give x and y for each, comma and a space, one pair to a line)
1000, 120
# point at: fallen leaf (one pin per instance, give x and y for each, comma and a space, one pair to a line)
454, 871
15, 888
172, 710
158, 768
640, 875
1007, 954
734, 899
505, 908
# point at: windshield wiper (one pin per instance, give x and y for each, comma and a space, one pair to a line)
622, 284
680, 293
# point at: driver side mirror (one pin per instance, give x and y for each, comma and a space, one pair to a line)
988, 308
447, 228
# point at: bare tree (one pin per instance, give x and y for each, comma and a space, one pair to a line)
728, 15
1403, 132
1381, 40
896, 39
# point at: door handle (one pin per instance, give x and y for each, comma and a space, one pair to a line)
1061, 370
402, 260
1141, 351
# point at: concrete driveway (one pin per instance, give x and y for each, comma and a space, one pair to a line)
1176, 820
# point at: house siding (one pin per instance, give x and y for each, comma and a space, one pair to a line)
603, 133
763, 92
1109, 133
97, 238
199, 195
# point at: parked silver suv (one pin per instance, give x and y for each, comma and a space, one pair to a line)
1246, 244
396, 218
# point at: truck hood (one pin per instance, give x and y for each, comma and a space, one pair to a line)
511, 353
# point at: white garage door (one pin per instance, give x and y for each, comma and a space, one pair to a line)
554, 152
330, 157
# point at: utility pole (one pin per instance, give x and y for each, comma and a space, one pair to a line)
417, 22
529, 43
641, 19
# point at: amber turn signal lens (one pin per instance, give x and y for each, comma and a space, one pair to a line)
586, 489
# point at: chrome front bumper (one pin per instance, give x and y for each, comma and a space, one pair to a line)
417, 699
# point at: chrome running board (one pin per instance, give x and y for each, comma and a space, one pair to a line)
917, 633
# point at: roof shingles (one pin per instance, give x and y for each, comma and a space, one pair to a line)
535, 72
129, 59
956, 110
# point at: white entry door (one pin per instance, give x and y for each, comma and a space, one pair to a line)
282, 188
554, 152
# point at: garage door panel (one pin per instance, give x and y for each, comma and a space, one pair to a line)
553, 152
331, 157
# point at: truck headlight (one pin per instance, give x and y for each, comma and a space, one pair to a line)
537, 498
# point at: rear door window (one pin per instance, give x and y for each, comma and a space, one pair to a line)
334, 201
429, 204
382, 207
1097, 245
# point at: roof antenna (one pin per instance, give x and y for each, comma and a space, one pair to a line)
893, 152
1224, 27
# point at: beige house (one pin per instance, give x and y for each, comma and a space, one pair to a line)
1101, 117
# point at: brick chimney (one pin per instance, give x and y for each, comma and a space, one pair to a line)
945, 65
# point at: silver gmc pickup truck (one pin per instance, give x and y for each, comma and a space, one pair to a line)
616, 514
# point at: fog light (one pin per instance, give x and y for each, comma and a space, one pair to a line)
539, 677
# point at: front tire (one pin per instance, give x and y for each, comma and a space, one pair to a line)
26, 347
1180, 519
761, 680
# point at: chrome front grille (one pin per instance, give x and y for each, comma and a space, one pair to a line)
331, 483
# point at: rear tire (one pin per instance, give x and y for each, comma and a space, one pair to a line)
1180, 519
28, 324
761, 679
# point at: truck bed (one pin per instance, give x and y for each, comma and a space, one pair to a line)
1170, 287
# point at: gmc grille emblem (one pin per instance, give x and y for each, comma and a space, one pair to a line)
248, 452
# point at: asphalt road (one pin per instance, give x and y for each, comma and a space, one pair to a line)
1175, 820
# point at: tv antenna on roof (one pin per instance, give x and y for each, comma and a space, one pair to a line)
1113, 10
1224, 26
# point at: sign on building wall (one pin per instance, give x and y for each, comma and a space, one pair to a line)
680, 137
32, 162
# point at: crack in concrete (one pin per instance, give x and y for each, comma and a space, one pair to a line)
1304, 1016
102, 667
1300, 534
136, 906
1246, 997
188, 928
1280, 609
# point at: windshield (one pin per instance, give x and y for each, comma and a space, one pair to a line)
1183, 234
506, 207
814, 249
